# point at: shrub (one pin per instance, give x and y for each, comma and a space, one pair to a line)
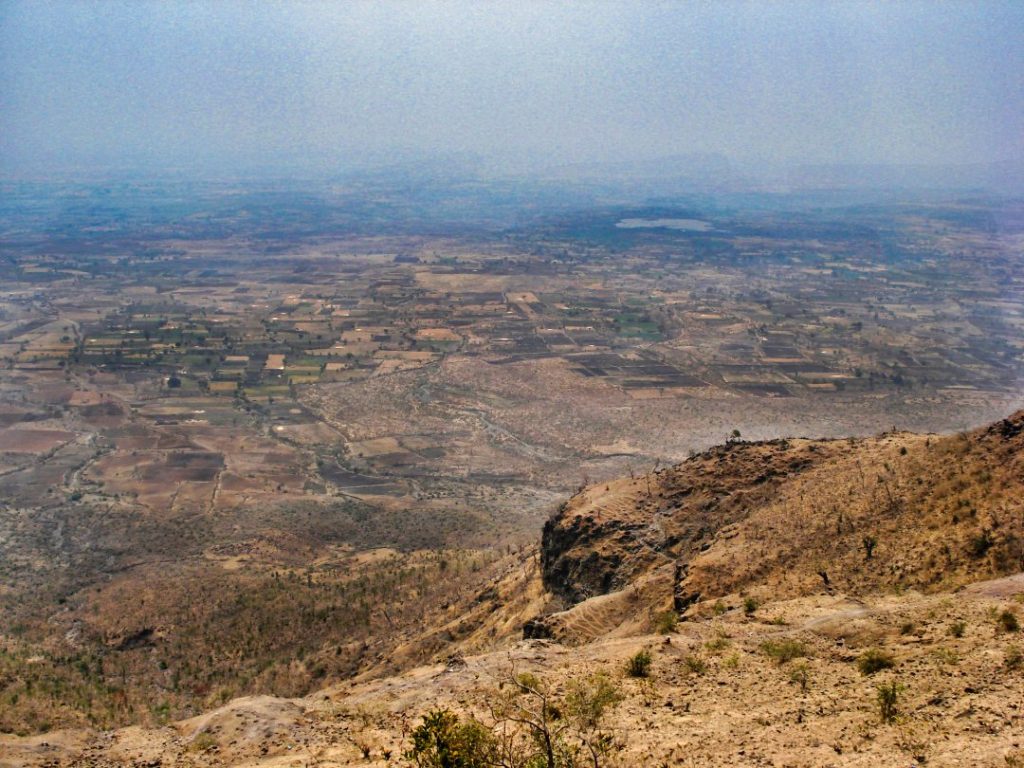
957, 628
717, 645
801, 675
749, 606
782, 651
1008, 621
695, 664
528, 680
980, 544
888, 701
869, 542
639, 664
874, 660
588, 700
1014, 658
203, 742
442, 741
665, 622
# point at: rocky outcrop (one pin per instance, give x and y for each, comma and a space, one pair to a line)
609, 533
1009, 429
581, 557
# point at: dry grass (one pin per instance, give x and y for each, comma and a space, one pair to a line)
815, 711
166, 645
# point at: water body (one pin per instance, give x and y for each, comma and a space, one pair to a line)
687, 225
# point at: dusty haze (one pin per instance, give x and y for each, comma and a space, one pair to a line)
228, 85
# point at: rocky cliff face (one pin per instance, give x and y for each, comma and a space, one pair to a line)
607, 534
581, 558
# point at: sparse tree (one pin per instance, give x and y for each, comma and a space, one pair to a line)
869, 542
888, 700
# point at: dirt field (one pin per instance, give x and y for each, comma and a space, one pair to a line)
33, 440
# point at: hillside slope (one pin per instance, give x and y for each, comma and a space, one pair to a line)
791, 563
719, 693
788, 518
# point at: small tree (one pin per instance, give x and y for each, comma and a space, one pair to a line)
534, 728
888, 700
869, 542
529, 713
442, 741
800, 675
586, 705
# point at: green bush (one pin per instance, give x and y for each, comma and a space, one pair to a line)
442, 741
888, 701
695, 664
717, 645
203, 742
782, 651
874, 660
639, 664
1008, 621
665, 622
588, 700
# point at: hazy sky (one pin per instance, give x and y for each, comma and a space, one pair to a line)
218, 83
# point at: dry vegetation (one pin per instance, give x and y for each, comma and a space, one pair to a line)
723, 690
159, 646
894, 657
